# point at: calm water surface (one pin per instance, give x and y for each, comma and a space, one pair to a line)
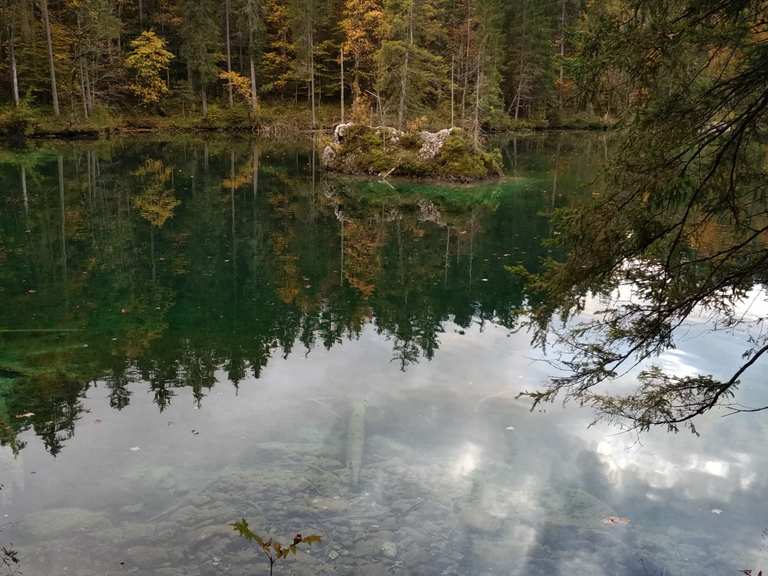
193, 332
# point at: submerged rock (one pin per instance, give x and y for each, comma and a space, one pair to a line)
382, 150
389, 549
60, 522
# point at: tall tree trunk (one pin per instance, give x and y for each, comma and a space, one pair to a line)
254, 93
453, 90
60, 166
204, 99
255, 160
404, 76
141, 14
14, 75
341, 59
89, 86
312, 75
562, 38
562, 54
466, 64
518, 97
476, 127
51, 62
251, 61
81, 69
521, 71
25, 196
356, 78
233, 219
229, 53
83, 91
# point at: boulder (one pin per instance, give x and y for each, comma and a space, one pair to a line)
329, 155
339, 131
432, 143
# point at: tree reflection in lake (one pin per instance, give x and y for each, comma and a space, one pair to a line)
327, 356
169, 261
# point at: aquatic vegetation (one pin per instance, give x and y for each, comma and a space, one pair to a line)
9, 559
271, 548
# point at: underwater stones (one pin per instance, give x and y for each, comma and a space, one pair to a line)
206, 534
371, 569
62, 522
132, 508
572, 506
146, 556
480, 520
389, 549
335, 504
129, 532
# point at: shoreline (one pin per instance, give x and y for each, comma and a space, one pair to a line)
72, 134
271, 121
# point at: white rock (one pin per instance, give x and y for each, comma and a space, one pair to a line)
432, 143
328, 156
389, 549
338, 132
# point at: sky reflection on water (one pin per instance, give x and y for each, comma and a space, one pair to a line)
214, 378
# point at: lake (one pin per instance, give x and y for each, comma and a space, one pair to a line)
198, 330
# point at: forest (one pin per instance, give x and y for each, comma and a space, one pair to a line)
494, 64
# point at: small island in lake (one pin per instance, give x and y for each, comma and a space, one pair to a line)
381, 150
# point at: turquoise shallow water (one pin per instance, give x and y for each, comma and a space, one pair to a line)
193, 332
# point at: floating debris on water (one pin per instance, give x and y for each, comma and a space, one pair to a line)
616, 521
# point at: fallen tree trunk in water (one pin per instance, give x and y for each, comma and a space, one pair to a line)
356, 440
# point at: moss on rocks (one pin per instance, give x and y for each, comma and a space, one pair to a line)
446, 155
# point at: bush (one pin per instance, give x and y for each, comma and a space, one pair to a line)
16, 122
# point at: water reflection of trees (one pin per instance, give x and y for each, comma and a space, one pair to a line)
175, 261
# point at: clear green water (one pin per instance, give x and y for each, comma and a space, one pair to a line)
185, 341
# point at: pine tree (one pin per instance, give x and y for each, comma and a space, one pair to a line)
531, 78
305, 16
408, 73
280, 51
200, 37
45, 14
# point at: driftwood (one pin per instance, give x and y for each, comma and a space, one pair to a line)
356, 440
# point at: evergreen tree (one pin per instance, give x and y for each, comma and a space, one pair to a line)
200, 39
409, 74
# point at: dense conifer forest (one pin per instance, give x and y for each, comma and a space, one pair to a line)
473, 63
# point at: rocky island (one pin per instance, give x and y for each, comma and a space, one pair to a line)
448, 154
